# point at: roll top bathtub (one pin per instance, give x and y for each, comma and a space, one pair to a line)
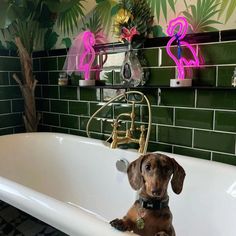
72, 183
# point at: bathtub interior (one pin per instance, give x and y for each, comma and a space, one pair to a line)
76, 172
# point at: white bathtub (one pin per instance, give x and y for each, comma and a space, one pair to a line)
72, 183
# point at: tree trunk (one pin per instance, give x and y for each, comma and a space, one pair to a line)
27, 86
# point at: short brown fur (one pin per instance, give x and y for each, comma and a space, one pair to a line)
150, 174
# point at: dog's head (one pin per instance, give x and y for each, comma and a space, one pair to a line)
152, 173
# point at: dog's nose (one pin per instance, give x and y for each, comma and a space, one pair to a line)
156, 192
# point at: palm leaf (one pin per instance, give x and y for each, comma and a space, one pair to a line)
161, 6
200, 15
230, 10
68, 18
106, 8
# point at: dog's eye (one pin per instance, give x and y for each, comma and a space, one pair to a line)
148, 167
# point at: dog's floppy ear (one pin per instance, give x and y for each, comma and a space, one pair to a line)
177, 180
134, 173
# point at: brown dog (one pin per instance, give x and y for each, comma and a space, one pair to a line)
150, 215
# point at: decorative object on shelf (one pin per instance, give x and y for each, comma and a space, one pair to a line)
234, 78
132, 24
82, 57
131, 70
177, 30
63, 79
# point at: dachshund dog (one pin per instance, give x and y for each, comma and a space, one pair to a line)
150, 214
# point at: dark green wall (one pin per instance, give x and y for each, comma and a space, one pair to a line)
11, 104
198, 121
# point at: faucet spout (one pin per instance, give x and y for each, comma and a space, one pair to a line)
129, 135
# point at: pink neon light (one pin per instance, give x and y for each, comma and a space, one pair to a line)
88, 55
181, 25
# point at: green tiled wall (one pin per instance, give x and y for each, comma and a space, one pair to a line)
198, 121
11, 103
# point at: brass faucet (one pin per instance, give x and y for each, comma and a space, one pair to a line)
127, 136
122, 137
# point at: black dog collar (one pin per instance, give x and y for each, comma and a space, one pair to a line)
153, 204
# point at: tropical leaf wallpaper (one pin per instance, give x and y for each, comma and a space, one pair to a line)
202, 15
65, 20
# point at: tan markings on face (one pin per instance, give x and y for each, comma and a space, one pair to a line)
156, 170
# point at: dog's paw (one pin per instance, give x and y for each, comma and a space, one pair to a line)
119, 224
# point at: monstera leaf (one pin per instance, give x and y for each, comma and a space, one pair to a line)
201, 16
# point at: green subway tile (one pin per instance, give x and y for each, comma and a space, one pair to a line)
224, 158
59, 130
166, 59
95, 125
108, 77
53, 78
10, 92
78, 108
173, 135
194, 118
107, 126
125, 110
42, 77
106, 112
192, 152
10, 120
44, 128
61, 61
225, 74
75, 79
48, 64
10, 64
90, 94
152, 96
177, 97
218, 53
78, 132
50, 119
4, 80
161, 115
116, 77
153, 147
151, 56
225, 121
36, 64
42, 104
18, 105
19, 129
215, 141
38, 91
221, 99
161, 76
153, 133
69, 93
59, 106
50, 92
5, 107
69, 121
204, 76
6, 131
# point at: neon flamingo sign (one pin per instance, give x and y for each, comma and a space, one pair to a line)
88, 55
181, 25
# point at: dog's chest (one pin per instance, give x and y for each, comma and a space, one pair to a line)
152, 222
